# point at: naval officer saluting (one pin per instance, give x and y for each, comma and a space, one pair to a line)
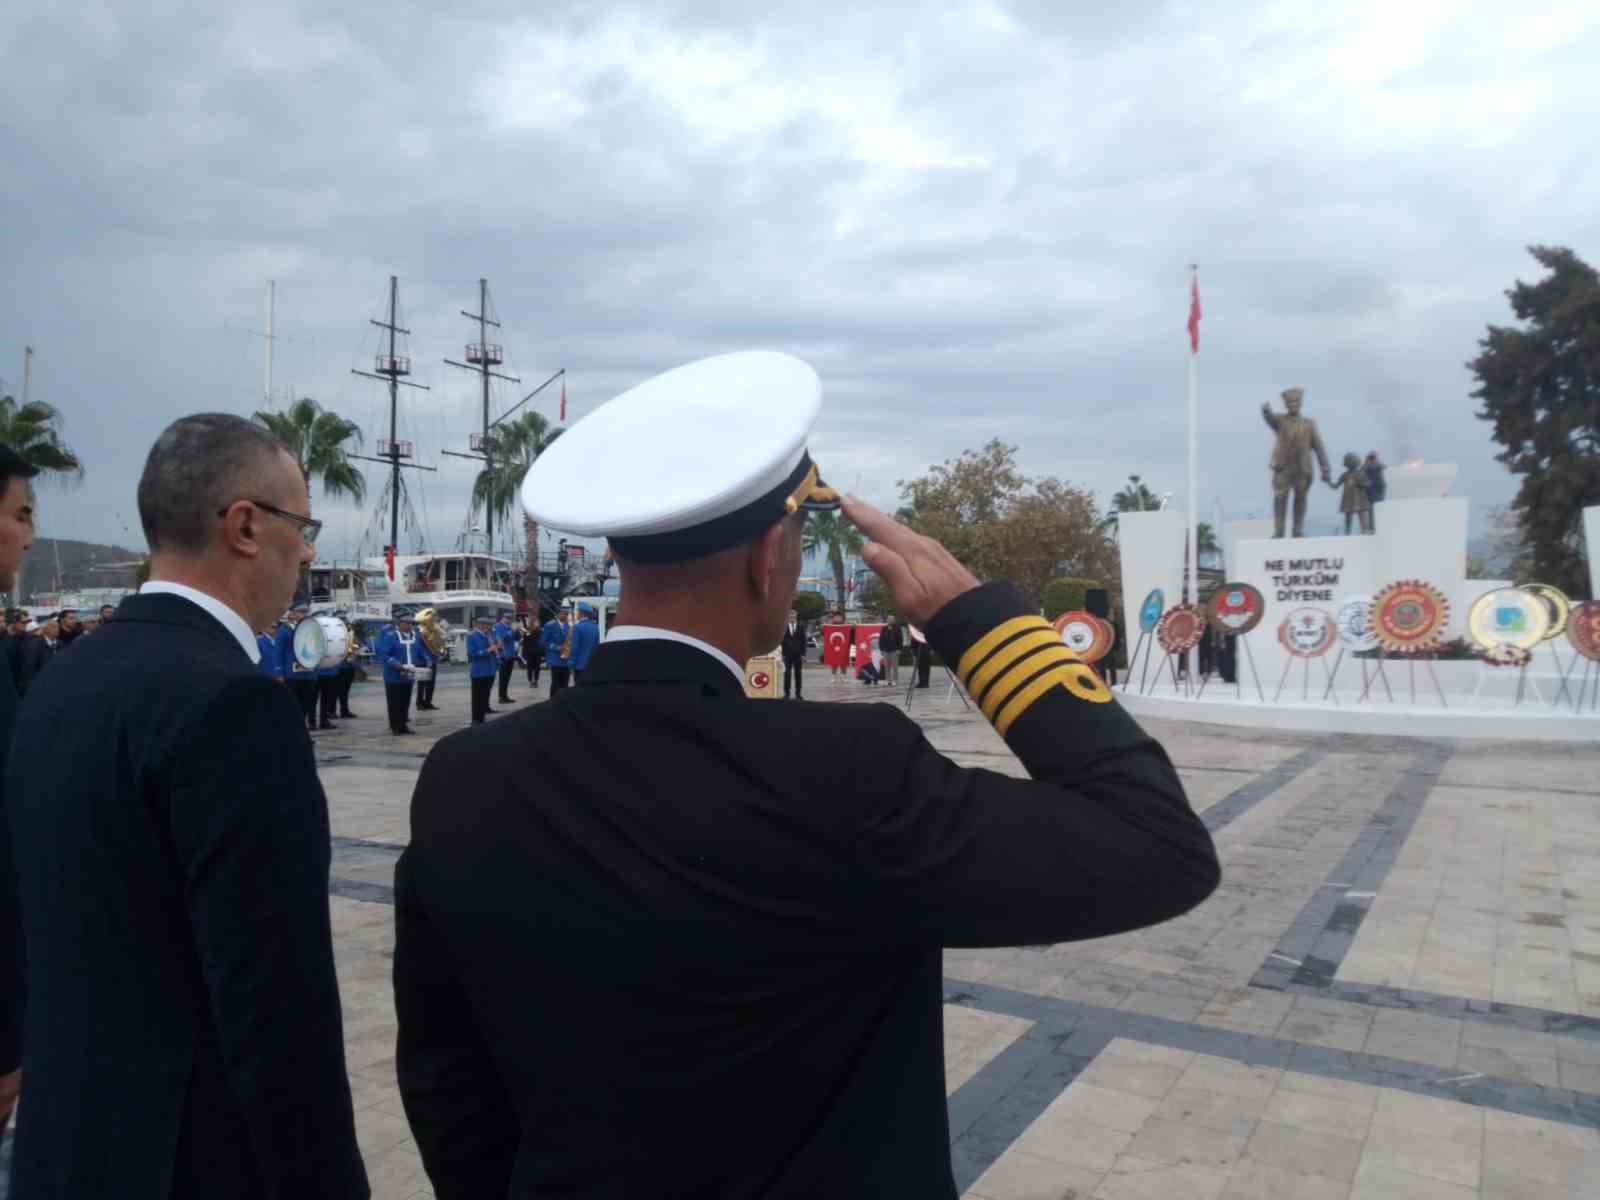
740, 907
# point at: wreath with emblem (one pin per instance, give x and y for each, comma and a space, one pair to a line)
1583, 629
1307, 633
1410, 616
1085, 634
1236, 608
1180, 628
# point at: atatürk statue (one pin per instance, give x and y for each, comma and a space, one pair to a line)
1291, 460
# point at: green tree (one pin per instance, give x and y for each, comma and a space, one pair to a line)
33, 430
511, 449
1004, 525
1135, 496
1066, 595
829, 534
316, 438
1539, 384
809, 605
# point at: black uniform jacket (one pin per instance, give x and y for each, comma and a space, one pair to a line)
697, 951
793, 645
183, 1033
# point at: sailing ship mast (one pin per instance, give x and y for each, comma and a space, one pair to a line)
388, 368
481, 356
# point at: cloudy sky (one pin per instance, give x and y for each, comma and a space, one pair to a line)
974, 219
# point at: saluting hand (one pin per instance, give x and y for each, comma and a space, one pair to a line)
920, 573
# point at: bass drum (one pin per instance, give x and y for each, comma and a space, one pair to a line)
320, 641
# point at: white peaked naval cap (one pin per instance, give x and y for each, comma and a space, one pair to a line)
692, 461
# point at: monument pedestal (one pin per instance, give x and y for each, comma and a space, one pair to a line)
1422, 538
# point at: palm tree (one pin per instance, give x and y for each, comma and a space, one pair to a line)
511, 449
32, 430
1135, 497
316, 438
829, 533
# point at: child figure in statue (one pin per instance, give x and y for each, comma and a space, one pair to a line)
1354, 503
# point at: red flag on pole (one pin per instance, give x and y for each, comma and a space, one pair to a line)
388, 561
563, 398
1194, 315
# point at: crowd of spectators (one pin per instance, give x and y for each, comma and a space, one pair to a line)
28, 643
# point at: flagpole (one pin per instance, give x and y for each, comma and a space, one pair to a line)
1194, 385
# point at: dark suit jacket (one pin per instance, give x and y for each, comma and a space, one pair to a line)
10, 930
699, 952
793, 645
183, 1035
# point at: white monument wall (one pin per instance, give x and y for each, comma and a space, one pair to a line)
1152, 557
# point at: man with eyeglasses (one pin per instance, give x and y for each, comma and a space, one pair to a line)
184, 1035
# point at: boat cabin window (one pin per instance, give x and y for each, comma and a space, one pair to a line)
377, 583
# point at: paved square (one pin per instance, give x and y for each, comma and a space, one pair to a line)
1394, 993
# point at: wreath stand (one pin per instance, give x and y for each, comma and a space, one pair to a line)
955, 688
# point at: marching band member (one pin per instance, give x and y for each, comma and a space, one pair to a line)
717, 903
482, 658
427, 660
267, 642
585, 637
506, 634
302, 680
347, 676
400, 650
328, 694
554, 639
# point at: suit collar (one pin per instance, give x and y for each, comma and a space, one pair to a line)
655, 660
167, 608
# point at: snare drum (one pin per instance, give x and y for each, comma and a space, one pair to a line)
320, 641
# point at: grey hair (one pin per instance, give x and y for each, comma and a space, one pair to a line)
199, 464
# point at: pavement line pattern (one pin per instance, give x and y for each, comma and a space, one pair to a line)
994, 1108
1245, 797
1307, 958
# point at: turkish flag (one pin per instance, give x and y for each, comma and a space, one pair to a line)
1194, 315
867, 645
388, 561
836, 645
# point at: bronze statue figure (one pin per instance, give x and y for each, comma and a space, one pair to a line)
1354, 502
1297, 440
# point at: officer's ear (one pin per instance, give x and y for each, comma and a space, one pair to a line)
766, 561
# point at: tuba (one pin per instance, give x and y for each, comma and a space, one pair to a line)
435, 632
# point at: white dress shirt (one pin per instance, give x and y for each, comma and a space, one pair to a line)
643, 633
231, 621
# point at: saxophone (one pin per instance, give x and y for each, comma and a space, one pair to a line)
566, 646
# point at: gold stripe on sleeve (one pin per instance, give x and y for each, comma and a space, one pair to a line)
1021, 671
1076, 677
1003, 658
984, 646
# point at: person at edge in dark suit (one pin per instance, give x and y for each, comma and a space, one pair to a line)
184, 1034
505, 632
793, 648
16, 538
483, 658
740, 907
532, 651
401, 650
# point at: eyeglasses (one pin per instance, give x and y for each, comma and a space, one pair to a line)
310, 527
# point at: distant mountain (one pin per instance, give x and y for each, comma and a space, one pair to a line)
82, 565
